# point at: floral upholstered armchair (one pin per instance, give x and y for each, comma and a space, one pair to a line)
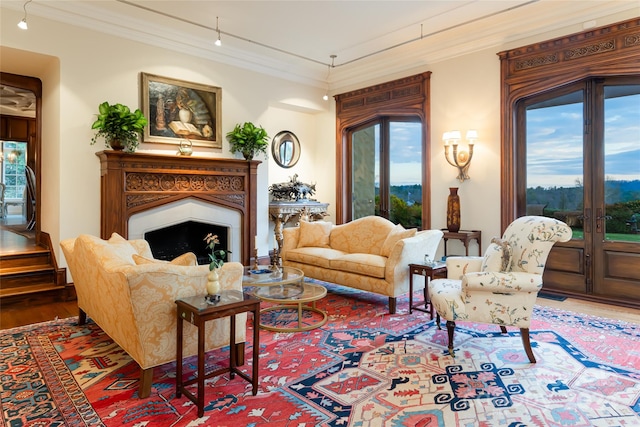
500, 288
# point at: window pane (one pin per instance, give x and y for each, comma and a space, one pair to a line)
622, 162
555, 175
405, 173
14, 155
365, 170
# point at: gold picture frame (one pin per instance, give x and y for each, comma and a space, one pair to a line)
179, 110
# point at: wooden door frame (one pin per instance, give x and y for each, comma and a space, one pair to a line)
408, 96
34, 144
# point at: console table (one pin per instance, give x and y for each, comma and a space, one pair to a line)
282, 212
465, 236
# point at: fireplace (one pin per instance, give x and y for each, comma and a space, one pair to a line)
170, 242
142, 193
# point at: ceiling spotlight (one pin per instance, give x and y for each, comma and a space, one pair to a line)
326, 94
218, 42
23, 23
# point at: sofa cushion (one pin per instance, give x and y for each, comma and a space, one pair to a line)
397, 233
497, 257
364, 264
319, 257
314, 234
187, 259
361, 236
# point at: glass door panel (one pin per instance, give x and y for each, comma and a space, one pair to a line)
365, 167
621, 219
555, 159
405, 173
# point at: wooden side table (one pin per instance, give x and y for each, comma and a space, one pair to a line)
197, 311
430, 272
465, 236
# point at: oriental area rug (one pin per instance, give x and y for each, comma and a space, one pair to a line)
363, 368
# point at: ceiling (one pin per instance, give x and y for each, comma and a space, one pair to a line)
295, 39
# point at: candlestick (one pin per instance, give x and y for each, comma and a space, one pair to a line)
255, 259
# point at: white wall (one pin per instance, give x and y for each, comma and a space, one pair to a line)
88, 68
82, 69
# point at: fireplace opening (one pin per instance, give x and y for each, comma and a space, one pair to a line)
169, 242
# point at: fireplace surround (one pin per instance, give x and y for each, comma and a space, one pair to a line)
133, 183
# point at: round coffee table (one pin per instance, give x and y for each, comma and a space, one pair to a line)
288, 291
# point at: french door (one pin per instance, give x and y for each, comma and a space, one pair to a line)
578, 155
386, 170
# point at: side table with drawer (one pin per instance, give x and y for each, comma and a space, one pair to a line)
430, 272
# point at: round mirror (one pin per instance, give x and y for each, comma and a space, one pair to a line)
285, 149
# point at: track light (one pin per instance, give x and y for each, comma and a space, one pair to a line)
326, 94
218, 42
23, 23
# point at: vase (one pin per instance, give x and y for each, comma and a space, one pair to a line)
248, 155
213, 282
453, 210
184, 115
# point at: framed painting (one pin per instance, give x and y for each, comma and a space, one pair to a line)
179, 110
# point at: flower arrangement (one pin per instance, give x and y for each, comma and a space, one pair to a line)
216, 257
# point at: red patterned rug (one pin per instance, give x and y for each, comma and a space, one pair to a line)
364, 367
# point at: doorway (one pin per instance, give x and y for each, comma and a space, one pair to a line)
578, 157
20, 132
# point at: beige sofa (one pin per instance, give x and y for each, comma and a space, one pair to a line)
132, 297
370, 253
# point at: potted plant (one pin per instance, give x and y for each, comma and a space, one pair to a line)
119, 126
248, 139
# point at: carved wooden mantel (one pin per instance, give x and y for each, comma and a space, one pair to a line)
131, 183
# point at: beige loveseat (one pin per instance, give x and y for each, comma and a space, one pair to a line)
132, 298
370, 253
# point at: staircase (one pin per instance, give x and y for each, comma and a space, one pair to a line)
31, 274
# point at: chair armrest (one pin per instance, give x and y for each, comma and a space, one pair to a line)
457, 266
290, 237
491, 281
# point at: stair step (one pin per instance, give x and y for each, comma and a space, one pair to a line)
26, 276
35, 257
32, 289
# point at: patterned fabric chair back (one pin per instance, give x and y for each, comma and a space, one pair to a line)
531, 239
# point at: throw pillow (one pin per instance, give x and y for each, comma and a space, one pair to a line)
497, 257
314, 234
396, 234
120, 247
187, 259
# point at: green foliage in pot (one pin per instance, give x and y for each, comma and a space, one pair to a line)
119, 126
249, 140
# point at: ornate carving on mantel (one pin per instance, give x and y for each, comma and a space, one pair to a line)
135, 182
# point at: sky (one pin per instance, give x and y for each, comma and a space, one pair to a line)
555, 143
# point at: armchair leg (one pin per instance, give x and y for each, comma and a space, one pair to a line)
146, 378
451, 326
392, 305
503, 329
524, 333
82, 317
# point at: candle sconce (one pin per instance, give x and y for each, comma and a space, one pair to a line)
459, 158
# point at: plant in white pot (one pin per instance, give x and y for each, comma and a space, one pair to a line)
119, 126
248, 139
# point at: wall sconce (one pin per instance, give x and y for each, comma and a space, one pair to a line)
459, 158
23, 23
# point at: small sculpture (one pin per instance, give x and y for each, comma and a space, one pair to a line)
293, 190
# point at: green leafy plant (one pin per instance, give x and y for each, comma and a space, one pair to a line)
216, 257
119, 126
248, 139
